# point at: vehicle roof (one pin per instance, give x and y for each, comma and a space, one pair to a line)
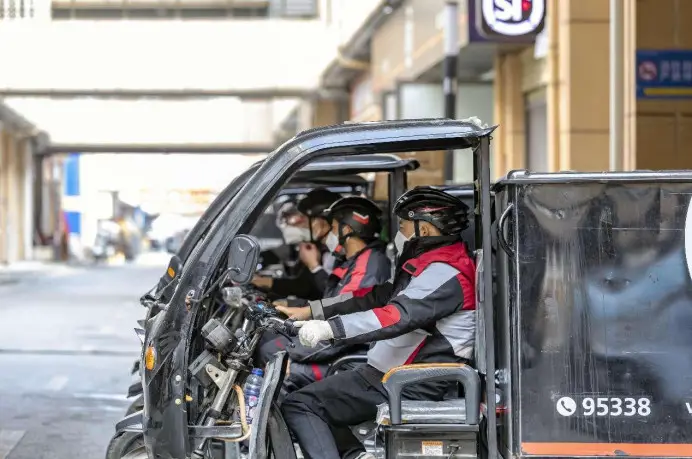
458, 133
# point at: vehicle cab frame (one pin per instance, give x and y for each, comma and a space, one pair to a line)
165, 419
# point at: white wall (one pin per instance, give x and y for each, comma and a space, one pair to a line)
222, 120
348, 15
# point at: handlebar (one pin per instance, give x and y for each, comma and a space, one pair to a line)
288, 326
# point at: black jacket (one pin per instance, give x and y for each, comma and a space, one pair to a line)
367, 268
426, 315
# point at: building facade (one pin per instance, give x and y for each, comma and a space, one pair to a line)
16, 187
548, 89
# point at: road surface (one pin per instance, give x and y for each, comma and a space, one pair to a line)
66, 348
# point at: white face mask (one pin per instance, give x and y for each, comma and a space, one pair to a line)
295, 235
399, 241
332, 242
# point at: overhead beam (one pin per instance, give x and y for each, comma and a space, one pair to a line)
178, 94
160, 149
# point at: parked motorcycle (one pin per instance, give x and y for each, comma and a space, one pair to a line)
105, 242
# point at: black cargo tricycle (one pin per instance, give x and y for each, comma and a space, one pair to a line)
584, 306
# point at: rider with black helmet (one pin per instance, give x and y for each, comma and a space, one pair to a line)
303, 224
354, 238
355, 231
427, 314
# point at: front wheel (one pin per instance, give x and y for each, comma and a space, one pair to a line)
279, 438
127, 445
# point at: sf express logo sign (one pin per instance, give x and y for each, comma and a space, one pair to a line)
509, 20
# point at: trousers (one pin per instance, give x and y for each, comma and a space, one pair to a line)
319, 415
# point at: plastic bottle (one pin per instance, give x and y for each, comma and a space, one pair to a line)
252, 388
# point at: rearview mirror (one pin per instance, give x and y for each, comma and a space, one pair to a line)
243, 257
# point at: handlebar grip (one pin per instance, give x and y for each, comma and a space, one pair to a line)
292, 326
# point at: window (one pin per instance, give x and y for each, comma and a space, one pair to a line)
536, 131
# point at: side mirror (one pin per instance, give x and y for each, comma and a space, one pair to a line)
243, 257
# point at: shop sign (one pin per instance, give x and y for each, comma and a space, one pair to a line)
510, 20
664, 74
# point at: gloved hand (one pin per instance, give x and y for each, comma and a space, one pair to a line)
314, 331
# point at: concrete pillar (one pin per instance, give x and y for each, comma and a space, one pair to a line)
629, 140
554, 87
510, 140
584, 73
13, 222
4, 192
28, 199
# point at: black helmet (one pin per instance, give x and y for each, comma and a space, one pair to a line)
316, 201
423, 203
359, 213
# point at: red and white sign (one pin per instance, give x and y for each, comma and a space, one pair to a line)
513, 18
648, 71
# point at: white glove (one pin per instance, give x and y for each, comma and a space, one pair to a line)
314, 331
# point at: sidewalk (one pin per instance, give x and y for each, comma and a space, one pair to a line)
16, 272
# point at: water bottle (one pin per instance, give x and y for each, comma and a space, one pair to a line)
252, 388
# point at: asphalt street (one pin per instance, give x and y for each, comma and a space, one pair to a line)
66, 348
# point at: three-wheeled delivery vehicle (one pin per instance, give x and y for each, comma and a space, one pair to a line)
584, 306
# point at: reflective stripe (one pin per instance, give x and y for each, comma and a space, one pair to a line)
326, 303
459, 330
393, 352
431, 279
360, 323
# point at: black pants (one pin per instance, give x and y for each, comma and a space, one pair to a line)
319, 415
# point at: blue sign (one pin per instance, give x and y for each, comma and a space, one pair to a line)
71, 193
664, 74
